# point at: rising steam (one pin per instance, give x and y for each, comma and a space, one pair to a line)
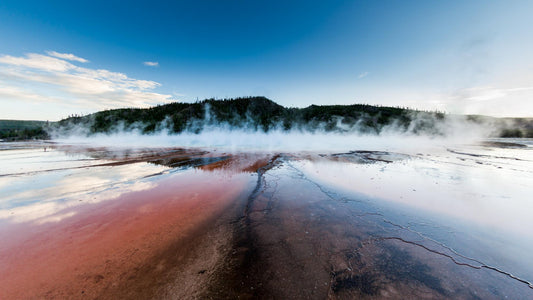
245, 133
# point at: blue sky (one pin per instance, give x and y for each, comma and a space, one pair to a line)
63, 57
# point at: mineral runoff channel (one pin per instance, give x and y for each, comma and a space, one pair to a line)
174, 223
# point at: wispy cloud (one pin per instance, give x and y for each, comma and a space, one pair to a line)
36, 78
362, 75
67, 56
499, 101
22, 95
38, 62
485, 93
151, 63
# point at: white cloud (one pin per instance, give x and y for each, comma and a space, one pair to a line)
67, 56
362, 75
484, 100
22, 95
151, 63
509, 100
36, 78
486, 93
38, 61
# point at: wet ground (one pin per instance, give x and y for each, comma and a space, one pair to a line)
173, 223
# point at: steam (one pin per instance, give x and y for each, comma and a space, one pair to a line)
237, 134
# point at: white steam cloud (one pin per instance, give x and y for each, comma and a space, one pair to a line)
207, 133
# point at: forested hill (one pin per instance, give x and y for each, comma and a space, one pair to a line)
262, 114
23, 130
253, 113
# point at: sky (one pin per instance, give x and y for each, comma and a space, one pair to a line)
59, 58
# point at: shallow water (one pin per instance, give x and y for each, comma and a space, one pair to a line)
435, 222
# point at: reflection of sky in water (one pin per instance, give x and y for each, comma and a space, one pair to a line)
486, 188
42, 196
450, 197
49, 186
32, 160
45, 186
492, 191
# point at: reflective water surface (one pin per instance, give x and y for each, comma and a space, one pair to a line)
430, 223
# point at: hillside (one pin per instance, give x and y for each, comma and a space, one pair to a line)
253, 113
262, 114
23, 130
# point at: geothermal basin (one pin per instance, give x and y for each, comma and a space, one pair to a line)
432, 222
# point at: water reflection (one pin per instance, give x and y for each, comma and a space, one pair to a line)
40, 186
489, 186
112, 222
474, 199
314, 240
448, 222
